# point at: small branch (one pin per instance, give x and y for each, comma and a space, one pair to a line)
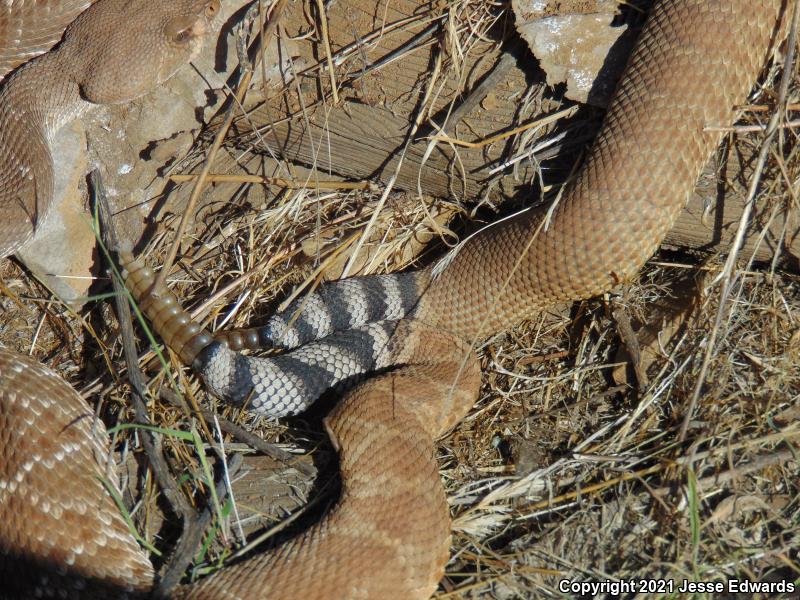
193, 526
240, 433
279, 181
326, 42
764, 108
753, 128
150, 440
757, 464
631, 342
541, 122
186, 549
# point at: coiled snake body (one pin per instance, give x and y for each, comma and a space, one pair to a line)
388, 537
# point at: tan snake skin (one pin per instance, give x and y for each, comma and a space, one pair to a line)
30, 27
57, 519
99, 62
388, 537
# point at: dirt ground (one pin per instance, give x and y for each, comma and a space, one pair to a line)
572, 466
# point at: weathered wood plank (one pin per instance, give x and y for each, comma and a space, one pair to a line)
366, 135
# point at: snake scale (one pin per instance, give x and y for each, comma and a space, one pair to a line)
388, 537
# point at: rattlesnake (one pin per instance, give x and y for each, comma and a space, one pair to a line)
388, 537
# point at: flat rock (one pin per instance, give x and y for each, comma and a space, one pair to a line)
62, 252
130, 145
576, 44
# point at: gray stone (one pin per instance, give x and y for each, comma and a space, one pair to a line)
575, 44
61, 253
